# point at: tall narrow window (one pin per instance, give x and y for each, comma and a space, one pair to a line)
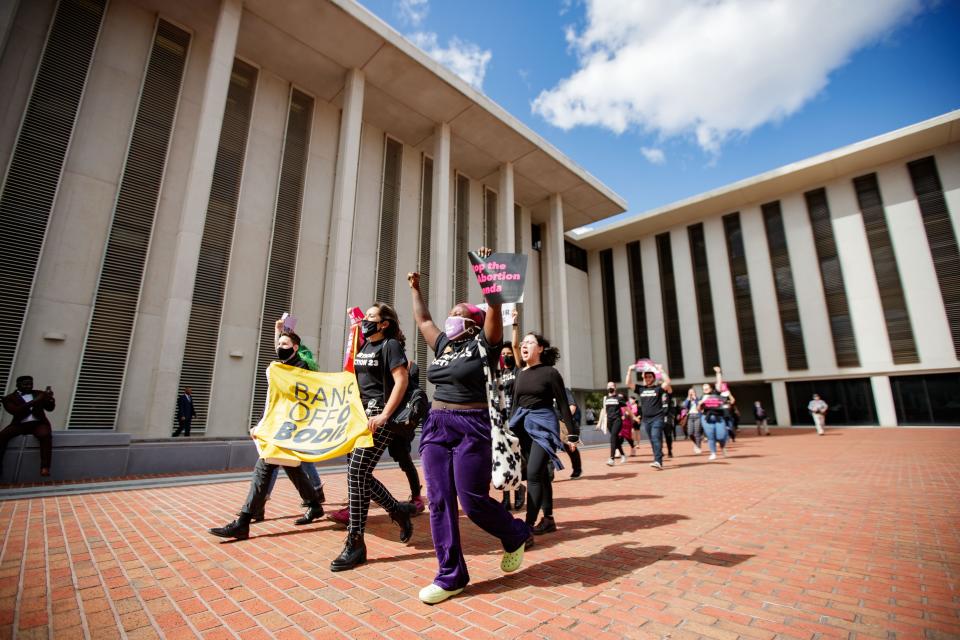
701, 281
637, 300
282, 265
33, 175
423, 260
517, 229
831, 275
103, 366
575, 256
389, 219
742, 299
783, 283
899, 329
671, 316
461, 262
611, 339
214, 261
940, 237
490, 219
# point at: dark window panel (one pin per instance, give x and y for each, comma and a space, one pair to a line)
850, 401
611, 339
671, 316
743, 302
899, 330
637, 300
575, 256
704, 299
783, 283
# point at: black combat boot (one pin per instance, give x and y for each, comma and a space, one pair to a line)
314, 512
401, 515
354, 553
239, 528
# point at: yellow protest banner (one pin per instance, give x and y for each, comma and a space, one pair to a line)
310, 416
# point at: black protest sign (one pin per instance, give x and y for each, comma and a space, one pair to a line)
501, 276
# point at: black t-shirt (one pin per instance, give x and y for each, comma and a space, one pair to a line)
612, 405
508, 378
651, 400
541, 387
457, 371
369, 366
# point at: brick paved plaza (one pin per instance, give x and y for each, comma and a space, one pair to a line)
854, 534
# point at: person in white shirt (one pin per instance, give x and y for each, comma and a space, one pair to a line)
818, 409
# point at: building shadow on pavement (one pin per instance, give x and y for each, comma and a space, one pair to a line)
566, 503
610, 563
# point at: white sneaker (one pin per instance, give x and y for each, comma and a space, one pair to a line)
434, 594
723, 452
696, 450
656, 465
609, 462
713, 456
622, 460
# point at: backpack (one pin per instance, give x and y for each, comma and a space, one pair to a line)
413, 408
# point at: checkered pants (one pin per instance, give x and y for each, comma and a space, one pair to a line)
362, 486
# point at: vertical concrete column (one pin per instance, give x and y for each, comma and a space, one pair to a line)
176, 316
441, 236
883, 399
781, 403
559, 301
507, 234
333, 327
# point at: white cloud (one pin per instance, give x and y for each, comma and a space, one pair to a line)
709, 68
465, 59
653, 155
412, 12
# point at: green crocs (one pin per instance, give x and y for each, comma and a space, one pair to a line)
435, 594
512, 560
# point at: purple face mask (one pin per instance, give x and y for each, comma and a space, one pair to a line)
456, 326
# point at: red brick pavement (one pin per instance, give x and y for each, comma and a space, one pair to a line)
854, 534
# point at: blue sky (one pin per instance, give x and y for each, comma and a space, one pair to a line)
664, 100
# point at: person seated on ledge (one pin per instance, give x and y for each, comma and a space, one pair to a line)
28, 408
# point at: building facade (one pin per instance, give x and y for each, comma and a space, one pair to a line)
176, 174
837, 275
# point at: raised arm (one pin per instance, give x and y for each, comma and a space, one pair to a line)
719, 380
515, 336
493, 323
627, 382
666, 379
421, 315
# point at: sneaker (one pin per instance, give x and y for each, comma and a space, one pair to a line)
713, 456
418, 503
342, 516
622, 460
697, 450
609, 462
576, 474
670, 454
656, 465
434, 594
512, 560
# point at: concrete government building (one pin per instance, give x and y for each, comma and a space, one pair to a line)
176, 174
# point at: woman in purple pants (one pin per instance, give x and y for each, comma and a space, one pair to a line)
455, 446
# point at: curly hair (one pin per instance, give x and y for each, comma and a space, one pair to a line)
550, 354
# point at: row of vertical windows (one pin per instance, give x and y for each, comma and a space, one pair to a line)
940, 237
701, 290
214, 259
742, 300
609, 315
671, 316
895, 314
389, 221
637, 300
831, 276
36, 165
790, 324
282, 264
461, 262
102, 367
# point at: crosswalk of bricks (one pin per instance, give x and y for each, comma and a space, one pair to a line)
853, 534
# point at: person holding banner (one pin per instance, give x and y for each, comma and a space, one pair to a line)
509, 361
381, 369
538, 389
288, 346
455, 444
652, 397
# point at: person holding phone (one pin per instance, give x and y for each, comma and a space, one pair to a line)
28, 408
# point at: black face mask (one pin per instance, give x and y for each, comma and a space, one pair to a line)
368, 328
509, 362
285, 353
611, 392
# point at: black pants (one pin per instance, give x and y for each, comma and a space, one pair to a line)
614, 427
539, 484
668, 428
183, 426
260, 486
399, 449
362, 486
38, 430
